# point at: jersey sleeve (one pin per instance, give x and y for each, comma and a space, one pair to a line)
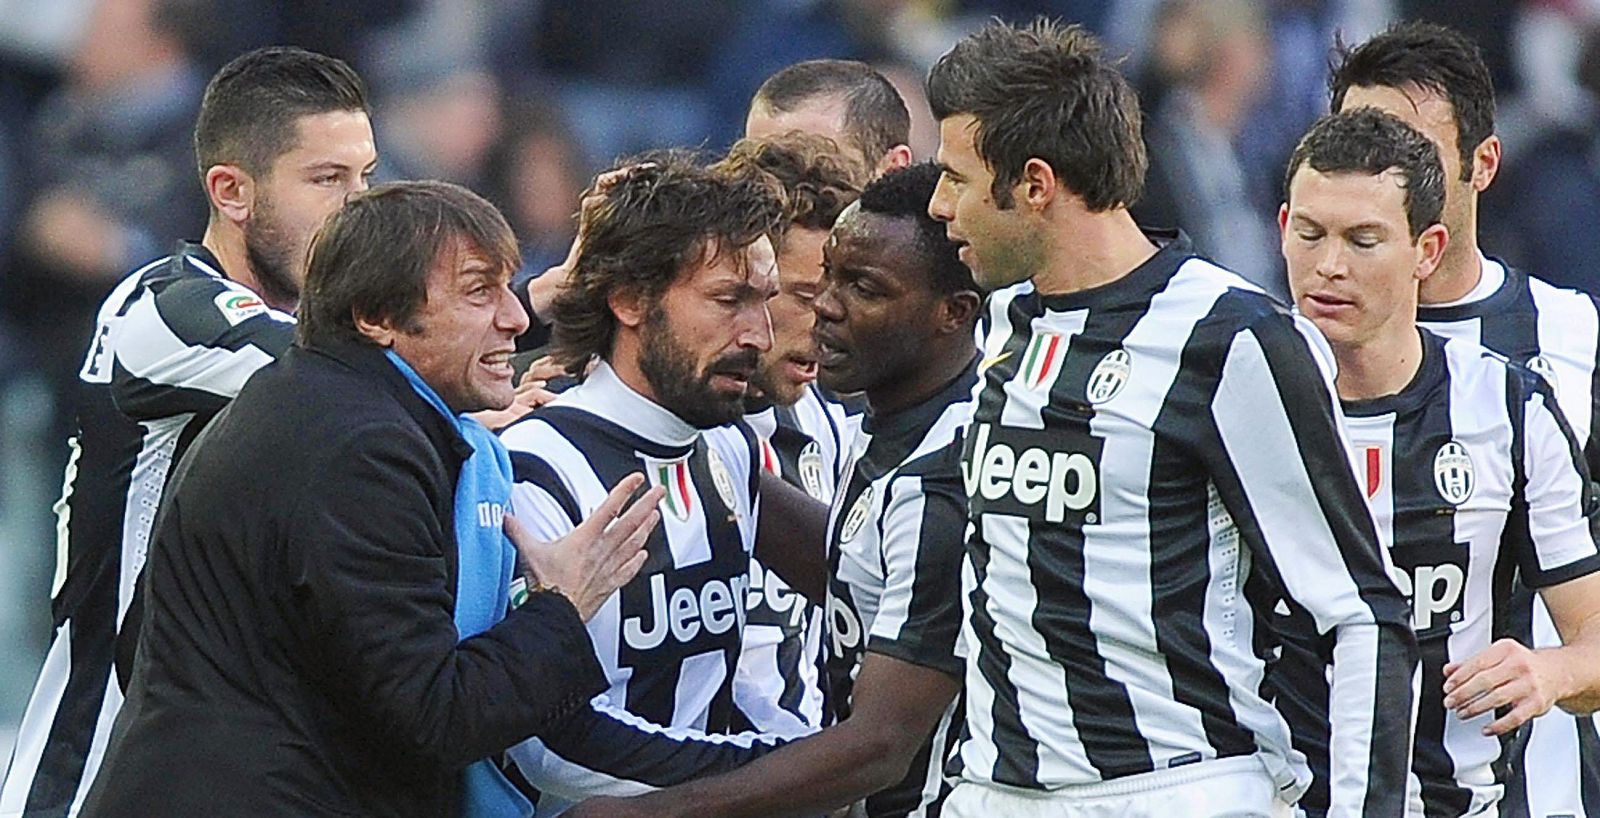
1553, 519
1283, 473
605, 750
189, 346
919, 616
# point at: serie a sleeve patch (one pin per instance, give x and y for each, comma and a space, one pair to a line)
237, 306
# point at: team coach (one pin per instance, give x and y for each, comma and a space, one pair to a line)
301, 652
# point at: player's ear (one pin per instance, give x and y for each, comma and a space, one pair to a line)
232, 192
957, 311
896, 157
1485, 163
628, 306
1430, 249
1038, 184
381, 333
1283, 219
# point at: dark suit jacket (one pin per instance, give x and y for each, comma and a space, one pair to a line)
298, 654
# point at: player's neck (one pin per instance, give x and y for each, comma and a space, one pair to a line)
946, 361
1459, 270
1091, 250
1380, 367
226, 242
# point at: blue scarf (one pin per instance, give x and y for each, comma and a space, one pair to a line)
487, 565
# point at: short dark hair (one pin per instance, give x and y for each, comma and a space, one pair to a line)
875, 115
251, 110
816, 181
1369, 141
904, 194
667, 211
1429, 56
372, 257
1045, 91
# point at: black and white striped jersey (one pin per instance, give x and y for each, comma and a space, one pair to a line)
173, 343
779, 680
669, 639
1556, 333
1149, 460
1473, 477
895, 547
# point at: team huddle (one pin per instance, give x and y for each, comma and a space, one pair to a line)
881, 487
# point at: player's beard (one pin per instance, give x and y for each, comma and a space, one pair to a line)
770, 385
670, 370
272, 253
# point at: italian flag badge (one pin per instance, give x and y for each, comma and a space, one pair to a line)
1042, 362
674, 476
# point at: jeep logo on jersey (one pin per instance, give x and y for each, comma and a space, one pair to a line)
1542, 367
857, 516
1109, 376
721, 479
716, 607
1026, 471
674, 476
1433, 578
810, 465
844, 628
1452, 473
1042, 362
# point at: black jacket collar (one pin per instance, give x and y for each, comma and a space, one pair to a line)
369, 359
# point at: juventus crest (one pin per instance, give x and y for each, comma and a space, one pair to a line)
1452, 473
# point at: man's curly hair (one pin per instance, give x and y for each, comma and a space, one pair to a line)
813, 173
666, 213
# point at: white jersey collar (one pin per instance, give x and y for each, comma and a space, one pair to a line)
603, 393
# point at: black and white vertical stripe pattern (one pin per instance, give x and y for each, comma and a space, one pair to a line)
1140, 452
1556, 333
895, 536
173, 343
668, 640
1472, 474
779, 682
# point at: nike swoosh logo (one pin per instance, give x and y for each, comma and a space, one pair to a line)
984, 364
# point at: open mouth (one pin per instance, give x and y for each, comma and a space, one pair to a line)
831, 352
801, 368
498, 362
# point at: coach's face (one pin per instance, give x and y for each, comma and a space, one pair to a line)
999, 246
702, 340
876, 313
792, 362
1353, 266
333, 156
462, 339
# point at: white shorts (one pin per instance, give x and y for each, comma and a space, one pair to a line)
1236, 787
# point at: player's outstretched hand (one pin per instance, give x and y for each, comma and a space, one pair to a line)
1505, 674
600, 555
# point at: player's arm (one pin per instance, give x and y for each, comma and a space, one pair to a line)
895, 708
191, 346
791, 537
1551, 529
908, 678
1287, 480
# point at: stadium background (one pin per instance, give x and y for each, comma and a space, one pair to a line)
523, 100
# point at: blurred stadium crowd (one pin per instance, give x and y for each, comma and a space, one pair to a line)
522, 100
